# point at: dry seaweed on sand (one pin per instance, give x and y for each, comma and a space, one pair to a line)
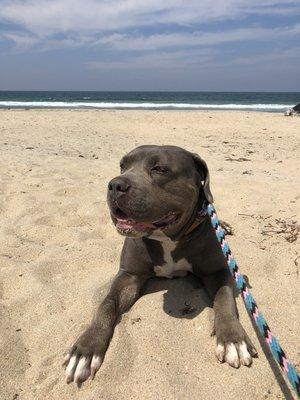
289, 229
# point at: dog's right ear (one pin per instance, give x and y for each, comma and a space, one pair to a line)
203, 171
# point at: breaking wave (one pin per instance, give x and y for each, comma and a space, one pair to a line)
133, 105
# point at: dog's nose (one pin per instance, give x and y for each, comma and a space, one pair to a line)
118, 186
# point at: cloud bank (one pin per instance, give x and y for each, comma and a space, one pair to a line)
143, 34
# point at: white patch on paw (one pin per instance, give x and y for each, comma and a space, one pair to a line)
95, 365
82, 371
245, 357
231, 356
71, 369
220, 352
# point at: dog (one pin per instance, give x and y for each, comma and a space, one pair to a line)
293, 111
158, 203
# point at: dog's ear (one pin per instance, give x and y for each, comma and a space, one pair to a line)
203, 171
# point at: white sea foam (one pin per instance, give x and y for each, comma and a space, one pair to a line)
114, 105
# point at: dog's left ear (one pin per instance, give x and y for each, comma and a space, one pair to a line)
202, 169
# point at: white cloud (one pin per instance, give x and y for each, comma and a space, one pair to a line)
153, 42
20, 40
116, 25
194, 39
46, 17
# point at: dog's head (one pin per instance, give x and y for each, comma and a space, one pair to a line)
159, 188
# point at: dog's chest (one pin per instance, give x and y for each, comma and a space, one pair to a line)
170, 268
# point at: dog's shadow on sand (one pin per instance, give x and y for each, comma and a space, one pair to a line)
184, 297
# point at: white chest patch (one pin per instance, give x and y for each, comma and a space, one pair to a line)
170, 268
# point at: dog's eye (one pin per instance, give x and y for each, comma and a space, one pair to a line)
159, 170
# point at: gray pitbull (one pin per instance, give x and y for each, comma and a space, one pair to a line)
158, 202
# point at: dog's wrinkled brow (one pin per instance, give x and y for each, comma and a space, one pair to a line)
126, 160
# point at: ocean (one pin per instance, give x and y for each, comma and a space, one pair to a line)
256, 101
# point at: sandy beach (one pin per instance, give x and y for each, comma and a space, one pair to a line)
59, 252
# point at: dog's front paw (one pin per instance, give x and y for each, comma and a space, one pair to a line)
233, 344
85, 356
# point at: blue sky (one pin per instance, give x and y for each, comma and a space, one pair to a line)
150, 45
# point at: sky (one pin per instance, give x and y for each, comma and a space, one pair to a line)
192, 45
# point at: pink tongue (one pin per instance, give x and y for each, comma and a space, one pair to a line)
138, 226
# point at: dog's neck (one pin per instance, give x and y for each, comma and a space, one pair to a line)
160, 236
197, 217
200, 217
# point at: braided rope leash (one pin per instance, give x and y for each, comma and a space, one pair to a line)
285, 365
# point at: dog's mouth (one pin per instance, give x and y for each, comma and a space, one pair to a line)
127, 226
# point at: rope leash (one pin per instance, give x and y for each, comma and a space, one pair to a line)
285, 365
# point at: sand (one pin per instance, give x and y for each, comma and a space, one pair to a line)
59, 252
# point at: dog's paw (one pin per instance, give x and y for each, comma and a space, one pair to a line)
235, 354
233, 344
85, 356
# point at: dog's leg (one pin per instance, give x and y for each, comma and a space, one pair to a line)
86, 355
233, 344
